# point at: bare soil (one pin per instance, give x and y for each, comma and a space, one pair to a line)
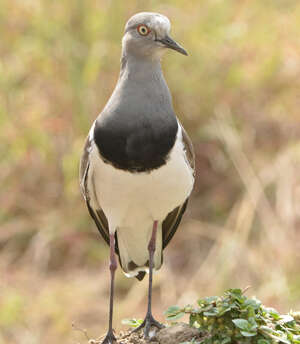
170, 335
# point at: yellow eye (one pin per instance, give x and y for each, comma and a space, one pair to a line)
143, 30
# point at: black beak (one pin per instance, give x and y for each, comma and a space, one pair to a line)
170, 43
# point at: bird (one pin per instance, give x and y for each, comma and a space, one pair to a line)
137, 169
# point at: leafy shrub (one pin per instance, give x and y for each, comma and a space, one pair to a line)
234, 318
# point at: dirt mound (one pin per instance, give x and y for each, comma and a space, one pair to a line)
176, 334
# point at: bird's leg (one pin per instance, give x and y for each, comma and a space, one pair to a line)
110, 337
149, 320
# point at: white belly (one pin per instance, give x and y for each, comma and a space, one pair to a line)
135, 199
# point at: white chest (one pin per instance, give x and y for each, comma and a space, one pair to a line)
133, 199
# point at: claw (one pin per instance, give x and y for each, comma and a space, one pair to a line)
109, 339
147, 324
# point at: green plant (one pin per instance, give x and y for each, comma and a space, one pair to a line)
132, 322
234, 318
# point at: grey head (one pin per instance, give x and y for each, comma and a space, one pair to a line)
147, 36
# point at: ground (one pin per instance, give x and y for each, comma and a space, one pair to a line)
176, 334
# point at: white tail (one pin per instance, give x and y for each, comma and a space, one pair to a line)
133, 248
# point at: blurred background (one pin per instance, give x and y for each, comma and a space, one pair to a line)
238, 96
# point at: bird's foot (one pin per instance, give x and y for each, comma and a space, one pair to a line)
109, 338
148, 322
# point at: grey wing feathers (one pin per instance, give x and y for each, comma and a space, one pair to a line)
189, 150
97, 214
171, 222
83, 168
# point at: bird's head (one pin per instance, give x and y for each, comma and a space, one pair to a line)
147, 35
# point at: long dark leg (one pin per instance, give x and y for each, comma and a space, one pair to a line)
149, 320
110, 337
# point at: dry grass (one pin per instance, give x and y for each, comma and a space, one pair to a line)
238, 97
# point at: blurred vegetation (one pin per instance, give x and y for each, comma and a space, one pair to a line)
237, 94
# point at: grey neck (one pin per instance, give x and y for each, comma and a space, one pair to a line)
144, 75
139, 66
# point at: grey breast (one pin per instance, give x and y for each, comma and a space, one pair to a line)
137, 129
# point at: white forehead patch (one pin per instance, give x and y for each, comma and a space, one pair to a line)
156, 21
160, 23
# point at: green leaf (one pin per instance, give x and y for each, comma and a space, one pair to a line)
211, 313
224, 310
263, 341
274, 314
193, 319
248, 334
252, 322
174, 313
234, 291
211, 299
172, 310
286, 318
188, 308
241, 323
205, 308
175, 316
236, 294
132, 322
252, 303
274, 334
